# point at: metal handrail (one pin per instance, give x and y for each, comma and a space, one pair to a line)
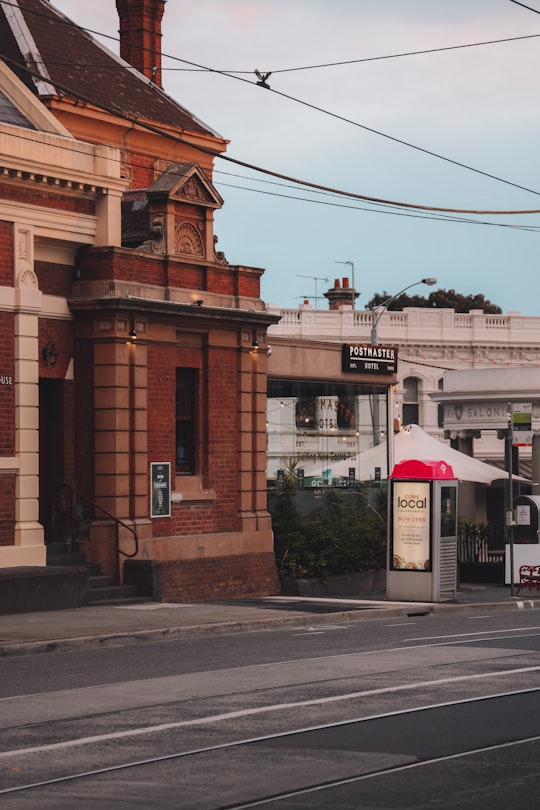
117, 521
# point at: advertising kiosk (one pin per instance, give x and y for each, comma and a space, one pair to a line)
422, 528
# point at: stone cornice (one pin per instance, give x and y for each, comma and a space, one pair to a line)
50, 223
62, 164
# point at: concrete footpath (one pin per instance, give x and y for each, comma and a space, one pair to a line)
114, 625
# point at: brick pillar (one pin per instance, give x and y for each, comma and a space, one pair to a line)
120, 413
252, 444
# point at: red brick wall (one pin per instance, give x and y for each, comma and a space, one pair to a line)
102, 264
142, 169
218, 434
223, 409
7, 275
7, 509
54, 279
161, 403
35, 196
220, 577
249, 285
125, 264
7, 385
183, 275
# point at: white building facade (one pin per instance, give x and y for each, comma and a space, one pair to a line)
431, 344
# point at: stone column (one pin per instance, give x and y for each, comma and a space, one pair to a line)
29, 536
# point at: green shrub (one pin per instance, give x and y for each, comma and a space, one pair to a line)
345, 535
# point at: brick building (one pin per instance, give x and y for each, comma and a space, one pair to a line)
133, 353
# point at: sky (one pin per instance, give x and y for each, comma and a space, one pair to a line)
353, 106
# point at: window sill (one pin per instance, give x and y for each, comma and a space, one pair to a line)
189, 488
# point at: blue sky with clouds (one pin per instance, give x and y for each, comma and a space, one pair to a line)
328, 125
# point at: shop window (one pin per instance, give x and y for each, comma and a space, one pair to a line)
186, 420
411, 415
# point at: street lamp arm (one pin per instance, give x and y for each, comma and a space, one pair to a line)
381, 308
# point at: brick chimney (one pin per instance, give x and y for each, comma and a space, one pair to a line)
140, 35
341, 294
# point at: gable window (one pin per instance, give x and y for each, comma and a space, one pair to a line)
186, 420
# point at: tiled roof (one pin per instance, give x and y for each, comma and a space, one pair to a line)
72, 64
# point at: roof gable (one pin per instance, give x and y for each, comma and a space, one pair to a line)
185, 181
20, 108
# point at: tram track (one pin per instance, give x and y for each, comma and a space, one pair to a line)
289, 735
279, 732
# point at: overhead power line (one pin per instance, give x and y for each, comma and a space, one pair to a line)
397, 55
206, 69
534, 10
249, 72
136, 121
361, 126
366, 128
308, 184
380, 210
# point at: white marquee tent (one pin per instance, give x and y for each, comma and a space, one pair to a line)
414, 443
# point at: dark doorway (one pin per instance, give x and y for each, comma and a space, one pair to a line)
51, 456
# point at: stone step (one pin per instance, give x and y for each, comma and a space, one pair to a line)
99, 580
130, 600
66, 559
109, 594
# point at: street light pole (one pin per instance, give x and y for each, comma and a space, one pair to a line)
378, 312
376, 315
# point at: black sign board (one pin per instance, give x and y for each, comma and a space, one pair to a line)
160, 489
364, 358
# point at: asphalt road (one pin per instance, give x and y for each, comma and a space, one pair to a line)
422, 712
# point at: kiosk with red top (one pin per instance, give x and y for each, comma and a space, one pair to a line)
422, 528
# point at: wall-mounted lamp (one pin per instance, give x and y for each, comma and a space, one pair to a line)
49, 355
132, 334
255, 345
198, 302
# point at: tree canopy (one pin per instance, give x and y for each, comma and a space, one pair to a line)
440, 299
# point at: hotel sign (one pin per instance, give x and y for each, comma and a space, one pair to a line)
364, 358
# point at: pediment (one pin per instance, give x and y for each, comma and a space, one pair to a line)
185, 182
19, 107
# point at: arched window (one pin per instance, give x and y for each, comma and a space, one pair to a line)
410, 412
